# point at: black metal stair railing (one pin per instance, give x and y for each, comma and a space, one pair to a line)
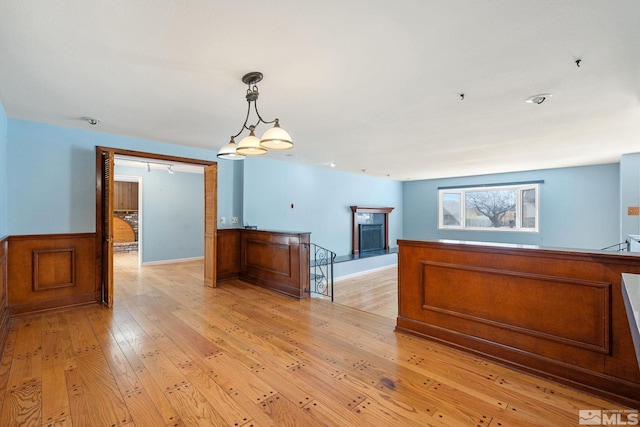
619, 247
321, 261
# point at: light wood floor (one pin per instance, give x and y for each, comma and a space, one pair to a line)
173, 352
375, 293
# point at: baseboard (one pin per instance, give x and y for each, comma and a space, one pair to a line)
173, 261
39, 307
362, 273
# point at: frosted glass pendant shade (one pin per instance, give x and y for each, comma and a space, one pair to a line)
228, 152
250, 146
276, 138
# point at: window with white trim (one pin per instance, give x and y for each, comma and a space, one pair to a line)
512, 207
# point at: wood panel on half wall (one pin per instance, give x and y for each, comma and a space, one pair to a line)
555, 313
276, 260
4, 309
51, 271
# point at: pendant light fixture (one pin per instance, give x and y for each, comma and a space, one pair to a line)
275, 138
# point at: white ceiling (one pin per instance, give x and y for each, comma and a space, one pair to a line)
368, 84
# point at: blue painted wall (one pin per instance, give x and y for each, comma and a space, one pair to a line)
3, 173
172, 213
48, 173
321, 199
629, 194
51, 176
579, 208
230, 203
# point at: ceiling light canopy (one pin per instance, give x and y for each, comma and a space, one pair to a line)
538, 99
275, 138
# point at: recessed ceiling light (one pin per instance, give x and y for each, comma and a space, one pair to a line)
538, 99
91, 120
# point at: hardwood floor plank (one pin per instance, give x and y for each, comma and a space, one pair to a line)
193, 407
332, 415
26, 368
375, 293
387, 401
132, 338
22, 407
104, 400
157, 396
259, 418
142, 409
80, 414
326, 387
165, 373
229, 410
294, 391
231, 376
55, 401
287, 413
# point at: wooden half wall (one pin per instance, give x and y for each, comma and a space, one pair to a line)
51, 271
555, 313
276, 260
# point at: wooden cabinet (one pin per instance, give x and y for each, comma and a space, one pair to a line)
125, 196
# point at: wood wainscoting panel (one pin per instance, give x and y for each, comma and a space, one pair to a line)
4, 310
228, 254
51, 271
53, 268
268, 256
536, 305
556, 313
276, 260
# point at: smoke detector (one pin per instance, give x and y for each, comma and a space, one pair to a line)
538, 99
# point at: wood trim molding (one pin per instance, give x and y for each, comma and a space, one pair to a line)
101, 262
355, 234
53, 268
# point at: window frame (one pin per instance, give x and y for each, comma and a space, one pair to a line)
462, 191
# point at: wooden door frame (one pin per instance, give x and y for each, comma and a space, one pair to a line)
99, 197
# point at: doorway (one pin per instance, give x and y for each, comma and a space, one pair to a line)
104, 207
127, 215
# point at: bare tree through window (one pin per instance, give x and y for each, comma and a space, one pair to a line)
509, 207
497, 205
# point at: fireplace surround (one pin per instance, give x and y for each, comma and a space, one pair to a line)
369, 215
